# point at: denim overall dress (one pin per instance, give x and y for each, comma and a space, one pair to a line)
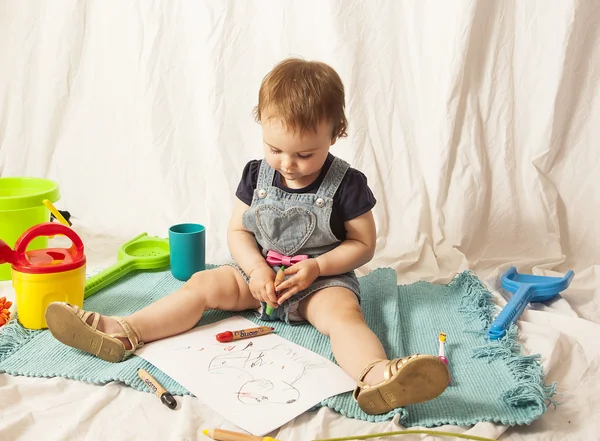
294, 224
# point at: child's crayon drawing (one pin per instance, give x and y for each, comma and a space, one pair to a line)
255, 370
245, 380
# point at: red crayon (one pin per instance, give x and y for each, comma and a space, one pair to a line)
227, 336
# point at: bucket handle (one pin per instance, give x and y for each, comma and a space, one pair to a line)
49, 229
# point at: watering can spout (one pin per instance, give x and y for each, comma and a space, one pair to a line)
6, 253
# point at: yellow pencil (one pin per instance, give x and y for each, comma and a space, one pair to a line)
226, 435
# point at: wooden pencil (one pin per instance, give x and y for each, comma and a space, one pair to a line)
226, 435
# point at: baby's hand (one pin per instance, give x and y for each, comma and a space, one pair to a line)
304, 273
261, 285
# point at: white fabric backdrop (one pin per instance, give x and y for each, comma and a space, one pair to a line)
476, 122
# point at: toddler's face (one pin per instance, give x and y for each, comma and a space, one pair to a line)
299, 158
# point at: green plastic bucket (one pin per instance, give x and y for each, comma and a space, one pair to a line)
21, 207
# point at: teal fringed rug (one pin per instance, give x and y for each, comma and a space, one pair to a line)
490, 381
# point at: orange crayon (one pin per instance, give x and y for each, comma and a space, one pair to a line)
227, 336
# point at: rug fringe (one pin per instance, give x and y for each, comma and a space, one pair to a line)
13, 336
532, 390
476, 303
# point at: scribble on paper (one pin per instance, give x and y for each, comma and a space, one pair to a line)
263, 376
243, 379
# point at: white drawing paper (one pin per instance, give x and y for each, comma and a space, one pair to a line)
258, 384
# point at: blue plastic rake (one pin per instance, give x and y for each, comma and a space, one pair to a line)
526, 288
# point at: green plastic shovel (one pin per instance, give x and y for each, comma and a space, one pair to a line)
140, 253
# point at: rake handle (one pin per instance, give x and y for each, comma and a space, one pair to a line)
509, 314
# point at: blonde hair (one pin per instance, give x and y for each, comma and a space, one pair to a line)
303, 94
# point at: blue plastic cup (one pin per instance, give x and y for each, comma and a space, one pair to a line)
187, 243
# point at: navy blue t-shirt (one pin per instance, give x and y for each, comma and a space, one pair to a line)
352, 199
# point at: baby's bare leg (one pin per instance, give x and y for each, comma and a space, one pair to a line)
336, 313
222, 288
411, 380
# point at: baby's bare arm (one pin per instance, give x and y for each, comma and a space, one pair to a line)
355, 251
241, 242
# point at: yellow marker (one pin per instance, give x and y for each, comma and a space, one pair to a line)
226, 435
59, 217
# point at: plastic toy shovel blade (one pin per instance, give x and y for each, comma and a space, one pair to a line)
143, 252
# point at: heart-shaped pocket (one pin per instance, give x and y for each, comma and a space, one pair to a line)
285, 231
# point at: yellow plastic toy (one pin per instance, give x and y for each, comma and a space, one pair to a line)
41, 277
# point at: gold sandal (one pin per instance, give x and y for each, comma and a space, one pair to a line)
409, 380
68, 324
